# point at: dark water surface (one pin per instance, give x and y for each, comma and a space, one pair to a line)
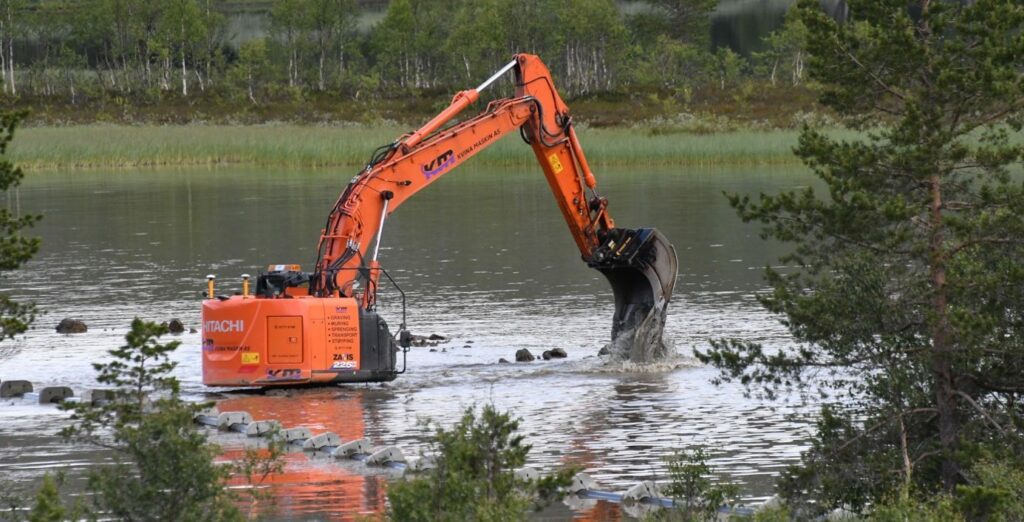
484, 257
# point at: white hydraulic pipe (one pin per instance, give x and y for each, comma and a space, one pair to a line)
380, 229
495, 76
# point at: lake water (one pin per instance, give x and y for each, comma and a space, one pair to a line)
485, 259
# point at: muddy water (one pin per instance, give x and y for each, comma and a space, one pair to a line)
484, 258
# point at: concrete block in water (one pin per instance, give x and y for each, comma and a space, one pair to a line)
14, 388
421, 463
229, 418
53, 394
640, 492
351, 448
384, 455
223, 420
206, 412
261, 427
296, 434
527, 474
323, 440
50, 395
582, 482
98, 396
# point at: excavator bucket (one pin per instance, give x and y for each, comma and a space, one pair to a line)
641, 266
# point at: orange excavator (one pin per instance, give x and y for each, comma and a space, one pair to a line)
323, 326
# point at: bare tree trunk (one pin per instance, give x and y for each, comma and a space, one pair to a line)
323, 59
184, 75
252, 97
942, 373
3, 56
798, 68
70, 75
908, 465
10, 53
10, 49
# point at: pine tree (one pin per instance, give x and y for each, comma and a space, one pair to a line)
906, 287
15, 248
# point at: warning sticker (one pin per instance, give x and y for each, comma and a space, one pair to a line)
250, 358
556, 164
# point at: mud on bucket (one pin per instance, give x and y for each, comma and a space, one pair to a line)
641, 266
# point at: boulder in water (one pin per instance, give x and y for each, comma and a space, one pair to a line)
557, 353
175, 326
503, 361
524, 355
71, 326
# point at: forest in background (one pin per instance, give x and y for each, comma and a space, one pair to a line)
179, 61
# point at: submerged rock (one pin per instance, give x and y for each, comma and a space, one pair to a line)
175, 326
503, 361
71, 326
546, 355
605, 350
193, 330
427, 340
557, 353
524, 355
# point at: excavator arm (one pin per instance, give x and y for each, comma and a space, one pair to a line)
322, 327
640, 264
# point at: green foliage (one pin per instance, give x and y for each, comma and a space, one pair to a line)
904, 292
473, 478
727, 67
147, 50
994, 491
15, 248
938, 509
48, 506
163, 467
695, 496
688, 21
772, 514
252, 68
784, 51
256, 466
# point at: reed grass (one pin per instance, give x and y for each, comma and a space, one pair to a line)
122, 146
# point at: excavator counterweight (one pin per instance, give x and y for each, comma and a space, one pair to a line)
322, 326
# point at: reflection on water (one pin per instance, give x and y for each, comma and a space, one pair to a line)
484, 258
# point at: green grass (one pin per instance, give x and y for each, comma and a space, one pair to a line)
118, 146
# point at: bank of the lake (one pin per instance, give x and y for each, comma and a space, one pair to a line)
124, 146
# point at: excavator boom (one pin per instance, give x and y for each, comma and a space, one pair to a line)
325, 321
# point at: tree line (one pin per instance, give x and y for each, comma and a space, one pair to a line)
83, 49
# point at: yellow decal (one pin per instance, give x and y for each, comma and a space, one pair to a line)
250, 358
556, 165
